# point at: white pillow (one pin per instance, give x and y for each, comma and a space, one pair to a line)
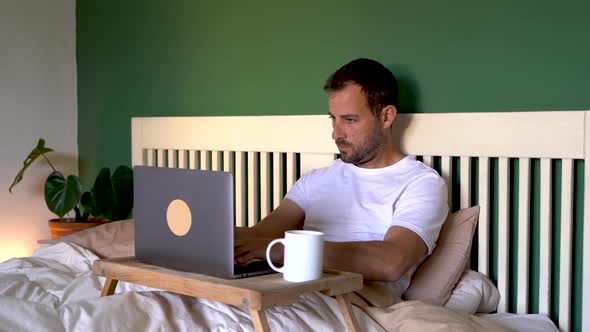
473, 293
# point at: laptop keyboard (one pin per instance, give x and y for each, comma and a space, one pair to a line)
251, 267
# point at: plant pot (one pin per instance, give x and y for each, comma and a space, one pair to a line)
68, 226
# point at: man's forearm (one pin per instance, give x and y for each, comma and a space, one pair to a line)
375, 260
244, 233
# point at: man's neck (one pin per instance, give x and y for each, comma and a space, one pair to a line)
386, 156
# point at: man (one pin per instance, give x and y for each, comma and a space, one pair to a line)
380, 211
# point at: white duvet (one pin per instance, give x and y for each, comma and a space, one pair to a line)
55, 290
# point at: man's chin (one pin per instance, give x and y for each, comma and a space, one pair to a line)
345, 158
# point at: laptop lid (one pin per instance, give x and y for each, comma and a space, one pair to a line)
163, 197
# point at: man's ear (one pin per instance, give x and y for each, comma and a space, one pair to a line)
388, 114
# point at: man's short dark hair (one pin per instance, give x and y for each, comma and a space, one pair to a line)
377, 82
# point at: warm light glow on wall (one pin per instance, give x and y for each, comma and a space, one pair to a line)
11, 249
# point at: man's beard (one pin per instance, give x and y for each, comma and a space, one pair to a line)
362, 153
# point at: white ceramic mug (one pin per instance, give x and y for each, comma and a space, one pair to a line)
304, 255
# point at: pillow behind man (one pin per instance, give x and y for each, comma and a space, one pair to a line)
474, 293
113, 239
436, 277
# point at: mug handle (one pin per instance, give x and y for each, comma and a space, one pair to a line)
272, 243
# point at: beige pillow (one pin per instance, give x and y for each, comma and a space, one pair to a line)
113, 239
436, 277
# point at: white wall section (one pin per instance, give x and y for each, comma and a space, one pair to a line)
37, 99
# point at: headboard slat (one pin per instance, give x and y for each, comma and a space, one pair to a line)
565, 260
193, 159
291, 169
253, 182
171, 159
428, 161
483, 261
204, 160
545, 238
241, 194
160, 157
524, 200
216, 161
265, 181
182, 159
446, 169
503, 232
277, 182
227, 161
586, 240
465, 193
148, 157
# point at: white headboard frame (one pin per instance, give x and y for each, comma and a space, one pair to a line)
267, 153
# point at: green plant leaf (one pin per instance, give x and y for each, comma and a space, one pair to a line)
114, 195
87, 202
61, 194
39, 150
122, 180
102, 191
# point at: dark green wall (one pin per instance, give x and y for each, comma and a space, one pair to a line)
144, 58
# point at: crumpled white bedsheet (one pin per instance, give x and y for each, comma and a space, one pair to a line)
55, 290
522, 323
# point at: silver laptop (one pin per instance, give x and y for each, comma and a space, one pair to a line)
203, 210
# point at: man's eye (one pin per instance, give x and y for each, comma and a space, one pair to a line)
350, 120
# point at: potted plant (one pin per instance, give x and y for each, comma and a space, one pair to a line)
111, 197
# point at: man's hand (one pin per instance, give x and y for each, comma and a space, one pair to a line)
250, 242
255, 249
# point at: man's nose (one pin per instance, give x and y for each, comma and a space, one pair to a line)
336, 131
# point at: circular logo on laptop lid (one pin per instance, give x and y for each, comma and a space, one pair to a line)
179, 218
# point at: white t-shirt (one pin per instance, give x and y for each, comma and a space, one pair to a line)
348, 203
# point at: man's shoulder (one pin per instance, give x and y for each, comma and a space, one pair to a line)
417, 171
409, 167
324, 171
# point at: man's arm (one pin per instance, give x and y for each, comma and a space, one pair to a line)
250, 242
286, 216
386, 260
421, 209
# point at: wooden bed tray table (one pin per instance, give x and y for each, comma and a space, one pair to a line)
253, 293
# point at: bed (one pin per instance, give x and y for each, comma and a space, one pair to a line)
528, 242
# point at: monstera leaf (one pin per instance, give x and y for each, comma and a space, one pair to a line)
113, 196
38, 151
61, 194
87, 202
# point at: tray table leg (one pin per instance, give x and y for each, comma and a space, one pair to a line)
259, 320
346, 308
109, 287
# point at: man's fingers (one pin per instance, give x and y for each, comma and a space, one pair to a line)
246, 258
241, 251
245, 255
248, 250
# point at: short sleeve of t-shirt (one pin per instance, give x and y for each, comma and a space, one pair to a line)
421, 209
297, 193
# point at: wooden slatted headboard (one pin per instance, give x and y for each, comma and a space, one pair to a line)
517, 166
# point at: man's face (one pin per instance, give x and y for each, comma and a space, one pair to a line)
356, 131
